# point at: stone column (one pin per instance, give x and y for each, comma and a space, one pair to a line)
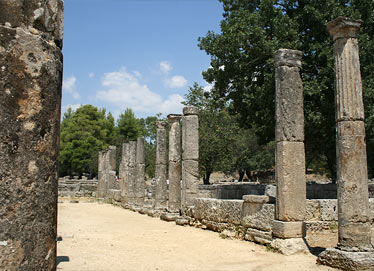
175, 166
131, 173
123, 171
190, 155
161, 196
110, 160
140, 173
30, 107
101, 174
352, 178
290, 154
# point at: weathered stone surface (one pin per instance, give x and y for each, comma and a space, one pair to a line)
290, 176
290, 246
30, 105
169, 217
190, 181
344, 260
256, 199
190, 110
222, 211
175, 164
258, 236
289, 96
328, 210
258, 216
131, 175
161, 192
190, 137
106, 166
140, 173
313, 210
111, 180
353, 205
182, 221
294, 229
114, 194
123, 171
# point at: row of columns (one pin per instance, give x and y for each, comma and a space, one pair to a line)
354, 249
176, 163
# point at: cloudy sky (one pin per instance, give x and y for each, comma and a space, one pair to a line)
139, 54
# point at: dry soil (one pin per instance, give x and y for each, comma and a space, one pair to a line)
105, 237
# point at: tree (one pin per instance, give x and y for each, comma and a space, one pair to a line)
242, 66
83, 133
128, 126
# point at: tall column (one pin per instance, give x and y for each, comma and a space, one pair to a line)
131, 173
101, 174
140, 173
123, 171
161, 196
290, 154
30, 107
175, 166
190, 155
352, 178
110, 160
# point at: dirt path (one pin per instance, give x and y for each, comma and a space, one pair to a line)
104, 237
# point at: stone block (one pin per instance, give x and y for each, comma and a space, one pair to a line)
329, 211
344, 260
259, 199
287, 57
258, 236
190, 138
285, 230
258, 216
291, 184
313, 210
290, 246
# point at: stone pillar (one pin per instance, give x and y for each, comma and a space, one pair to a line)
190, 155
175, 166
161, 196
30, 108
290, 154
354, 244
123, 171
140, 173
131, 173
101, 174
110, 160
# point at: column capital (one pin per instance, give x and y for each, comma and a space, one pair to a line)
287, 57
174, 117
161, 124
344, 27
190, 110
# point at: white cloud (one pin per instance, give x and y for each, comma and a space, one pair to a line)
123, 90
68, 86
74, 107
91, 75
137, 74
165, 67
177, 81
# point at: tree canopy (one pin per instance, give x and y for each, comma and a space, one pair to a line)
242, 65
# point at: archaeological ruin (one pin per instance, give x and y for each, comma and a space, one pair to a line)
280, 215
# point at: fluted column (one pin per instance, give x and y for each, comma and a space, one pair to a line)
175, 165
354, 250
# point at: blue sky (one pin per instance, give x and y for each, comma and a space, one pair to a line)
140, 54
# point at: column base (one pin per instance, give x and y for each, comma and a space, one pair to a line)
289, 246
346, 260
288, 229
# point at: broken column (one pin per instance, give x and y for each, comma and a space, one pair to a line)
131, 173
161, 195
101, 174
175, 166
354, 250
290, 154
140, 173
30, 107
190, 155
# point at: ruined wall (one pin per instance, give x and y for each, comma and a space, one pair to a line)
30, 105
77, 187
